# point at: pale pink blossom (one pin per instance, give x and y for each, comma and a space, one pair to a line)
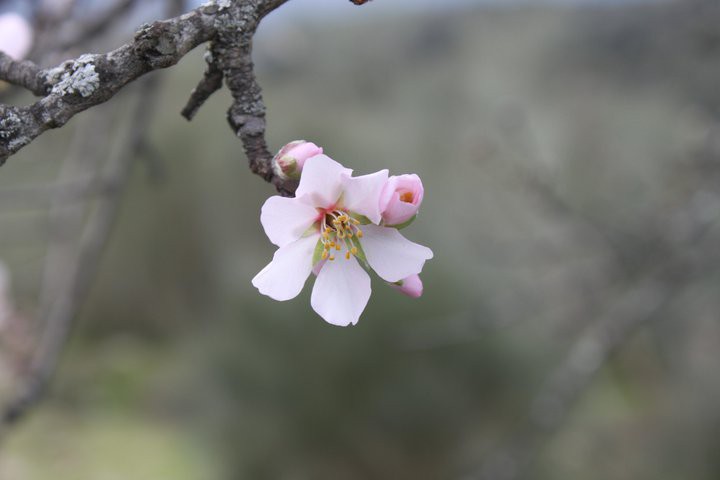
289, 161
332, 227
16, 35
411, 286
401, 198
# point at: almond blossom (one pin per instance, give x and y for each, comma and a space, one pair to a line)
333, 228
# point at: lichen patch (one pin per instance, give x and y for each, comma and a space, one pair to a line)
78, 77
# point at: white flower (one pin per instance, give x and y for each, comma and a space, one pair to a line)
332, 226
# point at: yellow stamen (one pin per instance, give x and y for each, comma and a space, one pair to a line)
347, 255
332, 257
354, 250
337, 247
359, 233
324, 255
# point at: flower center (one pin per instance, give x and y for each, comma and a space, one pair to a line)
406, 197
339, 230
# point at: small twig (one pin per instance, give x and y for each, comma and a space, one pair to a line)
23, 73
209, 84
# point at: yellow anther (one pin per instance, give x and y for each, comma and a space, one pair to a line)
325, 234
359, 233
332, 257
324, 255
337, 247
354, 250
347, 255
332, 244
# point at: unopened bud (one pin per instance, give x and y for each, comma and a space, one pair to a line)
400, 199
411, 286
289, 161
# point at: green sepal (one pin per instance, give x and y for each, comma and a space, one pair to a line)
360, 218
400, 226
312, 229
317, 253
361, 253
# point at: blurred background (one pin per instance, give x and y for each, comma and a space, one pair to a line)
570, 326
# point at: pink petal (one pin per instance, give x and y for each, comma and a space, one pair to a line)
321, 182
284, 277
286, 219
341, 291
303, 152
392, 256
362, 194
398, 212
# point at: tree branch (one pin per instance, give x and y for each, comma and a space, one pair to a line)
209, 84
89, 80
23, 73
79, 84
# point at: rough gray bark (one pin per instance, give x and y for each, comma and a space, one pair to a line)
91, 79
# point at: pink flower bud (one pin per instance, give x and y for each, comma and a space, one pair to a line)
289, 161
411, 286
16, 35
401, 199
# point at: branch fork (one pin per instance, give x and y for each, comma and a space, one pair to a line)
228, 26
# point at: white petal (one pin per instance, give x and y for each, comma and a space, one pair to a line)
362, 194
341, 291
284, 277
391, 255
321, 181
286, 219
